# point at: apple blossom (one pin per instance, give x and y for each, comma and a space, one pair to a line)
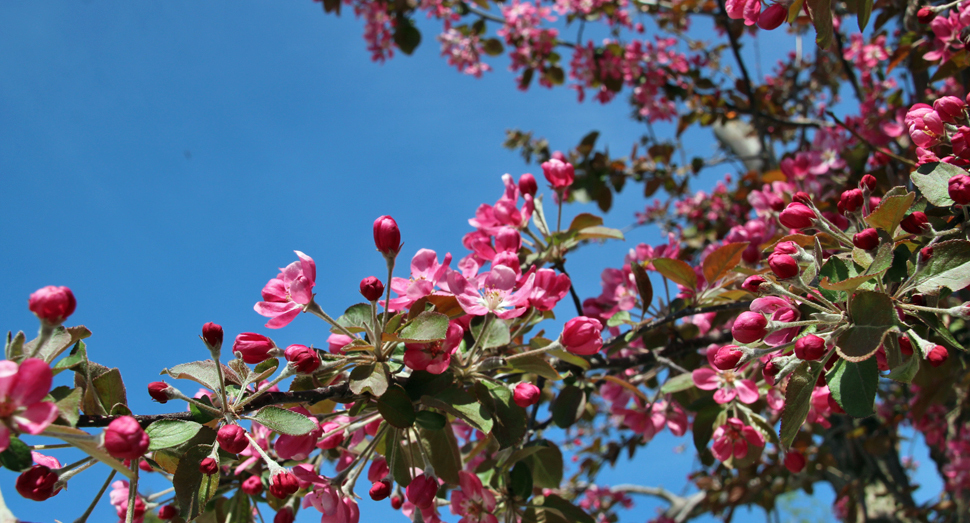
285, 296
52, 304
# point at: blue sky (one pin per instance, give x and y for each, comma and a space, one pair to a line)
163, 159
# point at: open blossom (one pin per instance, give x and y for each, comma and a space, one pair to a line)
426, 272
285, 295
727, 383
434, 357
22, 389
548, 289
473, 502
492, 292
297, 447
735, 439
119, 499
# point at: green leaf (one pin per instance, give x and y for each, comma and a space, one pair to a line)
165, 433
240, 510
509, 419
355, 318
865, 10
570, 512
204, 373
933, 181
60, 340
546, 465
853, 386
872, 316
429, 420
677, 383
406, 36
535, 364
111, 389
892, 209
73, 361
459, 403
677, 271
396, 407
570, 358
584, 220
193, 489
369, 378
427, 326
497, 334
907, 371
17, 456
821, 11
14, 348
539, 217
933, 322
569, 406
68, 401
493, 46
284, 421
721, 261
798, 399
762, 424
441, 447
835, 270
949, 267
599, 233
520, 481
644, 287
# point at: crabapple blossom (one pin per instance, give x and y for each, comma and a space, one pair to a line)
474, 502
158, 390
422, 490
286, 295
866, 239
52, 304
22, 391
37, 483
959, 189
582, 336
119, 499
734, 439
526, 394
794, 461
493, 292
435, 356
232, 438
727, 383
304, 359
797, 216
387, 236
371, 288
810, 348
283, 484
212, 335
727, 357
252, 486
772, 17
125, 439
253, 348
750, 327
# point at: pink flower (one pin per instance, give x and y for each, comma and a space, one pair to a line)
925, 125
297, 447
582, 336
285, 295
387, 237
422, 491
472, 501
727, 384
119, 498
37, 483
772, 17
526, 394
52, 304
492, 292
333, 440
778, 310
212, 334
434, 357
559, 174
254, 348
22, 389
548, 289
734, 439
426, 272
303, 358
125, 439
232, 438
337, 342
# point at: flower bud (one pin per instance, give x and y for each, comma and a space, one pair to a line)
559, 174
212, 335
851, 200
794, 461
37, 483
950, 108
867, 239
167, 512
727, 357
303, 358
905, 346
528, 185
925, 15
158, 390
145, 466
285, 515
937, 355
283, 484
125, 439
868, 181
422, 491
378, 470
232, 438
371, 288
783, 265
209, 466
253, 347
772, 17
797, 216
582, 336
380, 490
959, 189
770, 370
810, 348
252, 486
750, 327
915, 223
526, 394
387, 237
52, 304
751, 283
397, 502
926, 253
802, 197
785, 248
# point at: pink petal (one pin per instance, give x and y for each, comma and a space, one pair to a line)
747, 391
722, 449
740, 449
417, 359
283, 319
33, 382
8, 377
725, 395
308, 266
37, 417
706, 379
4, 437
501, 277
301, 290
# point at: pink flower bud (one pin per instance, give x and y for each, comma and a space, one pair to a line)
253, 347
332, 441
303, 358
772, 17
422, 491
810, 348
387, 237
950, 108
786, 248
380, 490
158, 390
559, 174
749, 327
232, 438
937, 355
252, 486
37, 483
851, 200
582, 336
751, 283
783, 265
915, 223
285, 515
959, 189
926, 253
167, 512
794, 461
125, 439
208, 466
145, 466
283, 484
905, 346
212, 334
925, 15
397, 502
526, 394
802, 197
727, 357
797, 216
868, 181
528, 185
867, 239
769, 371
371, 288
378, 470
52, 304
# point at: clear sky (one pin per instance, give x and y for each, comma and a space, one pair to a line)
163, 159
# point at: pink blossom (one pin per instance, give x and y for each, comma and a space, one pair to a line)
734, 439
297, 447
22, 390
549, 289
492, 292
778, 310
727, 383
286, 295
472, 501
119, 499
434, 357
426, 272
